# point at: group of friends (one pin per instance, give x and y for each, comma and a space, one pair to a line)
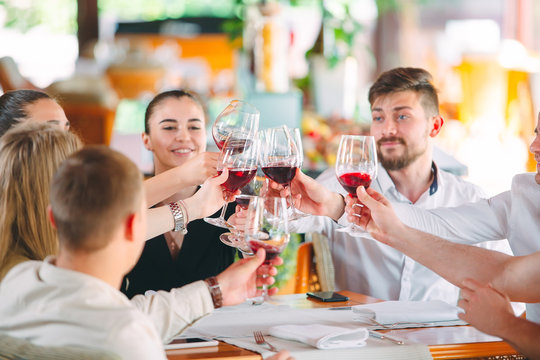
84, 238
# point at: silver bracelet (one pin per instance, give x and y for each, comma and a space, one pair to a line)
179, 215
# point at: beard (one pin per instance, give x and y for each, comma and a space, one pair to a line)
394, 163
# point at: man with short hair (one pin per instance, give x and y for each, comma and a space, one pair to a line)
405, 119
99, 210
488, 279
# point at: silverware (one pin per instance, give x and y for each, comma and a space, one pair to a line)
259, 339
382, 336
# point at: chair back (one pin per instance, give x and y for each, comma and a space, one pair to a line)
314, 266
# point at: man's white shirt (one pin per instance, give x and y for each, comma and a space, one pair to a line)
366, 266
52, 306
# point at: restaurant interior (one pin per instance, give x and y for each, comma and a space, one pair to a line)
306, 64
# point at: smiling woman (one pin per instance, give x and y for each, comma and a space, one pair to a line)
175, 133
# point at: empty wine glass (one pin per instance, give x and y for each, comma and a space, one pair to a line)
281, 156
267, 227
239, 117
240, 156
356, 165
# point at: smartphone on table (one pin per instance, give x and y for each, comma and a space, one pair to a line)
327, 296
192, 342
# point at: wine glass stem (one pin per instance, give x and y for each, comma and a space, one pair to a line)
223, 210
293, 209
264, 287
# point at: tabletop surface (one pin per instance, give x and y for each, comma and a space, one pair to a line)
453, 342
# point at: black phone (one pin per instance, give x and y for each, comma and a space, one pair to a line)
327, 296
182, 343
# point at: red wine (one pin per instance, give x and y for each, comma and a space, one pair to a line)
350, 181
281, 174
271, 251
238, 178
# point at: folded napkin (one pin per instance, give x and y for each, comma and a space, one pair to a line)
390, 312
322, 336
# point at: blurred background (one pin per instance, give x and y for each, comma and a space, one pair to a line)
303, 63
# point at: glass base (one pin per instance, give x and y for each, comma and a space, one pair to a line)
232, 240
353, 230
297, 216
219, 222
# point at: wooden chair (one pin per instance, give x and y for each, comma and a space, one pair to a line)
314, 266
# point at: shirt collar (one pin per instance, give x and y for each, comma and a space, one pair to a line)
386, 184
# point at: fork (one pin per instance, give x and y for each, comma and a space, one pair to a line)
259, 339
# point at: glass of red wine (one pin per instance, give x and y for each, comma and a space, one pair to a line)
267, 227
281, 156
356, 165
235, 237
239, 117
242, 165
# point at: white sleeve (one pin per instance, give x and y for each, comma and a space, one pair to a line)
171, 312
471, 223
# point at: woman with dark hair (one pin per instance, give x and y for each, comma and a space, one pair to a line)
175, 132
32, 105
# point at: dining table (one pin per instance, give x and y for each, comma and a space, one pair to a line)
443, 342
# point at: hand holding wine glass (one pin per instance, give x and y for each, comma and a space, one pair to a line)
266, 227
356, 165
242, 167
281, 156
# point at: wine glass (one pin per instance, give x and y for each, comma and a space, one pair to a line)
240, 156
235, 237
281, 156
267, 227
240, 117
356, 165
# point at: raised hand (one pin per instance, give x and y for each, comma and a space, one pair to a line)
210, 197
239, 281
310, 197
375, 214
200, 168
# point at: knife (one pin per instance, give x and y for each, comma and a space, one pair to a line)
385, 337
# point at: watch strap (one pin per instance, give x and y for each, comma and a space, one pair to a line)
215, 291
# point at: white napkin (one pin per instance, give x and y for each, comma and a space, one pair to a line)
389, 312
322, 336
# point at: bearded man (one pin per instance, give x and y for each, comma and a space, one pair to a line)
405, 119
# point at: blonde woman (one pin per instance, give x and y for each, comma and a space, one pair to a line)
30, 153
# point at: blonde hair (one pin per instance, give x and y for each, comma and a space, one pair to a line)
30, 153
92, 192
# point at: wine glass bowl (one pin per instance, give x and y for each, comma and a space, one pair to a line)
239, 116
241, 166
356, 165
281, 156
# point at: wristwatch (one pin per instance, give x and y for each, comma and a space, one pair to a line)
215, 291
179, 218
